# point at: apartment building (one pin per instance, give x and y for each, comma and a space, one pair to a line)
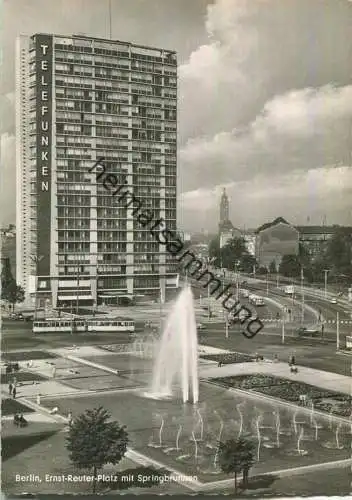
80, 99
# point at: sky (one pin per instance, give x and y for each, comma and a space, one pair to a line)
265, 100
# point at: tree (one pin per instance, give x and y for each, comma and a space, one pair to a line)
339, 252
214, 251
10, 291
290, 266
272, 267
6, 274
94, 441
236, 456
247, 263
13, 294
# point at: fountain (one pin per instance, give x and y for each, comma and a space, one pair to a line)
177, 359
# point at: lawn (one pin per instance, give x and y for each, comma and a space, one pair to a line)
13, 445
27, 355
12, 406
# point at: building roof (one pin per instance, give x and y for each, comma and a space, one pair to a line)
320, 229
278, 220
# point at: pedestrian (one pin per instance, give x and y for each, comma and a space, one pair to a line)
293, 360
38, 399
69, 417
290, 360
10, 389
14, 393
276, 359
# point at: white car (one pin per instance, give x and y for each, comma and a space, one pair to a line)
333, 301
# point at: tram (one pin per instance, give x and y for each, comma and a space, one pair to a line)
67, 325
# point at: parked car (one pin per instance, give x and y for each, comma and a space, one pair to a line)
333, 300
16, 316
200, 326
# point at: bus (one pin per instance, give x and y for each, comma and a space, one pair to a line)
97, 324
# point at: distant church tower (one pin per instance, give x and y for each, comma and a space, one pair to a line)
224, 208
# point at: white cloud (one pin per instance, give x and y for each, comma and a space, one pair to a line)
306, 111
300, 129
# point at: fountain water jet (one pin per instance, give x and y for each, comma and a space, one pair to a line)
315, 423
257, 425
238, 408
338, 427
216, 456
177, 359
201, 424
277, 424
161, 430
300, 437
195, 446
294, 421
311, 413
178, 437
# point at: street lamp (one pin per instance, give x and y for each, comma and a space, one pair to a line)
302, 296
36, 259
337, 331
267, 283
208, 262
326, 281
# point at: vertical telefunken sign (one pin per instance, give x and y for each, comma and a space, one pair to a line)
44, 72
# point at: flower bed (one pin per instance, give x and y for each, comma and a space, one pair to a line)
288, 390
117, 348
228, 358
